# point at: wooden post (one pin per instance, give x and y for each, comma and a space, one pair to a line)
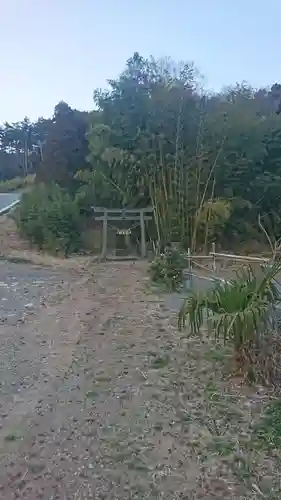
214, 257
143, 239
187, 276
104, 235
189, 261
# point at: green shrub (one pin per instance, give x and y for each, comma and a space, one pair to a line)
167, 268
50, 219
241, 312
16, 184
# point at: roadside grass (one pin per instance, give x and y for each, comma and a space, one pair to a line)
17, 184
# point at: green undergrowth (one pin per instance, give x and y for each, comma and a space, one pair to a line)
50, 219
17, 184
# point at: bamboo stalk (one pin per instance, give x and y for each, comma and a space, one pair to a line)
214, 257
240, 257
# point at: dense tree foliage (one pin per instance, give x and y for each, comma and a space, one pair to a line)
65, 147
17, 149
208, 163
52, 148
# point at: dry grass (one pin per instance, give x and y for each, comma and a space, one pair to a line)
16, 249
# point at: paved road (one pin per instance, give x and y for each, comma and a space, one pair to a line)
8, 198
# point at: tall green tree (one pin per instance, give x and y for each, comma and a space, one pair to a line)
64, 147
19, 143
161, 140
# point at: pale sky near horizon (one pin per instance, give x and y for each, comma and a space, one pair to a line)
56, 50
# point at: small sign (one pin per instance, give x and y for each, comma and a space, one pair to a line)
124, 232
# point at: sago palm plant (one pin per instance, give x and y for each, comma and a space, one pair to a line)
239, 310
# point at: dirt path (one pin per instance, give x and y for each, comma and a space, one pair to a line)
39, 328
128, 408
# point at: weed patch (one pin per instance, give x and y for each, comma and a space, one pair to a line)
268, 431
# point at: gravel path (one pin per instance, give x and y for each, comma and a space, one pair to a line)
24, 292
24, 288
105, 399
38, 332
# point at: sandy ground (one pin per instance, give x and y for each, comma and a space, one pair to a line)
41, 323
23, 288
101, 397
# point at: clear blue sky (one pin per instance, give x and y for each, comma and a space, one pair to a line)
63, 49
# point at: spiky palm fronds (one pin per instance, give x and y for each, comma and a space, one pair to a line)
237, 310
